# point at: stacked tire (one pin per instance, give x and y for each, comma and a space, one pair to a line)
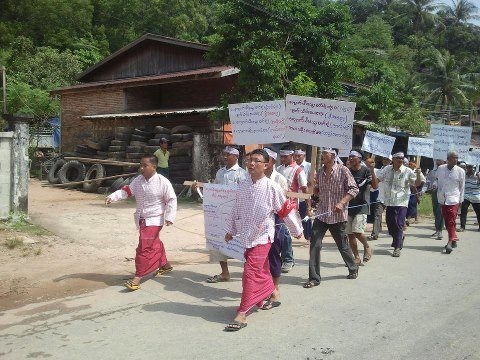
118, 146
180, 163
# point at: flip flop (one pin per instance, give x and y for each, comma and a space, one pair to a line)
368, 255
216, 279
163, 271
235, 325
269, 304
131, 286
310, 284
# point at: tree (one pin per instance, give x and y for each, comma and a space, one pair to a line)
421, 13
282, 46
460, 11
442, 85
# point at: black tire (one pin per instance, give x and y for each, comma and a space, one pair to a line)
176, 137
134, 149
138, 138
71, 171
161, 130
103, 190
161, 135
112, 148
182, 145
52, 176
155, 142
181, 129
180, 152
116, 154
137, 143
117, 184
179, 166
96, 171
93, 145
83, 149
123, 137
180, 159
141, 132
150, 149
134, 156
180, 173
123, 130
118, 143
187, 137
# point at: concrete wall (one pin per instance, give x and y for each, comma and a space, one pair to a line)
5, 173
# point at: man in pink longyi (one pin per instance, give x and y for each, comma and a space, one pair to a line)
257, 201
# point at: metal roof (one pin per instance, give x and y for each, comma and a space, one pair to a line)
203, 73
161, 112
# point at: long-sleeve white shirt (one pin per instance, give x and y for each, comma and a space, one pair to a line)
230, 176
155, 198
396, 190
451, 185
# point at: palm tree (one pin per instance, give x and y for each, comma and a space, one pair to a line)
442, 84
422, 13
461, 11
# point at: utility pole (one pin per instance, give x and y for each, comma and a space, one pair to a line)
4, 89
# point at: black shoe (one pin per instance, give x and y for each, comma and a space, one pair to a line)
448, 248
454, 244
353, 275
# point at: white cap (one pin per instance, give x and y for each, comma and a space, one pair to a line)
399, 154
286, 152
355, 153
231, 150
271, 153
299, 152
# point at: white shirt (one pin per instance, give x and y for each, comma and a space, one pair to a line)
396, 191
230, 176
279, 179
155, 198
472, 188
305, 165
451, 185
296, 178
252, 218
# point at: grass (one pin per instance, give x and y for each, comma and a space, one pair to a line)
20, 223
425, 206
12, 243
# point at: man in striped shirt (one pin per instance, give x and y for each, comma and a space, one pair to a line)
335, 187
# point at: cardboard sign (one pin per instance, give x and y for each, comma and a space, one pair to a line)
258, 122
450, 138
218, 201
378, 144
473, 157
420, 146
319, 122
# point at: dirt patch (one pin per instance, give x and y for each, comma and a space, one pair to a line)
88, 245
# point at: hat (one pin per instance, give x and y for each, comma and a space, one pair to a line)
299, 152
271, 153
399, 154
330, 150
163, 141
286, 152
231, 150
355, 153
462, 164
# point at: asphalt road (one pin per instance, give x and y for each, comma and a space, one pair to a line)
423, 305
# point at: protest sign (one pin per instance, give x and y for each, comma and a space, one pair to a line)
258, 122
473, 157
218, 201
378, 144
420, 146
319, 122
450, 138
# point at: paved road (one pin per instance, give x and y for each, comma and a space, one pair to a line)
423, 305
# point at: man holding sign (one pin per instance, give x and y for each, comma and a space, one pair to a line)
253, 220
398, 178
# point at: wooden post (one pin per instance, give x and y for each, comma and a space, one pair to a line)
419, 158
313, 168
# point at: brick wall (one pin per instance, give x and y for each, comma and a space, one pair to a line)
75, 130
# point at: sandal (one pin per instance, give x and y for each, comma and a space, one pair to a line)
310, 284
131, 285
235, 325
368, 254
163, 271
353, 275
270, 304
216, 279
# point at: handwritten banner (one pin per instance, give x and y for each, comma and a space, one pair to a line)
218, 201
450, 138
258, 122
378, 144
319, 122
473, 157
420, 146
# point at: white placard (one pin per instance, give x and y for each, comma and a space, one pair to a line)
258, 122
473, 157
378, 144
450, 138
218, 201
343, 152
320, 122
420, 146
